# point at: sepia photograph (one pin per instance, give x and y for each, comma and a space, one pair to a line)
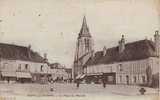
79, 49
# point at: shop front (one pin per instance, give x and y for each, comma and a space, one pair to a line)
109, 78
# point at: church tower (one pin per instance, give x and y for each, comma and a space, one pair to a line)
84, 48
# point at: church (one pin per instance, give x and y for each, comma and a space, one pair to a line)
84, 49
133, 63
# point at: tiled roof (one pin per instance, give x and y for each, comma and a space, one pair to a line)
133, 51
15, 52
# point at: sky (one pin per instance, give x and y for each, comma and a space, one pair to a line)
52, 26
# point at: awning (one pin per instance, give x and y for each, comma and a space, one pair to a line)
8, 74
96, 74
82, 76
23, 75
78, 76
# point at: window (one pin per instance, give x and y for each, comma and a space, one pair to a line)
143, 79
26, 66
135, 79
19, 67
41, 67
120, 78
120, 67
127, 79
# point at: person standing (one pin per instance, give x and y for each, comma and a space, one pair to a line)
78, 83
52, 85
104, 82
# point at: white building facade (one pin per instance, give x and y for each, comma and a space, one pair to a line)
19, 63
132, 63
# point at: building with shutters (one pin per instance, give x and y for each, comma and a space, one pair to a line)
128, 63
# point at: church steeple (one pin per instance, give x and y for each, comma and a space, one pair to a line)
84, 48
84, 29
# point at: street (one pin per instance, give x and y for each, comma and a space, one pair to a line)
70, 90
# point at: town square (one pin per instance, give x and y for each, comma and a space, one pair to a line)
80, 49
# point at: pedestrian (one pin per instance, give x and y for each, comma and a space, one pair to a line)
78, 82
52, 85
104, 82
8, 80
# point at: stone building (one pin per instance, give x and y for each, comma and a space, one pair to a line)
59, 73
127, 63
20, 63
84, 49
69, 74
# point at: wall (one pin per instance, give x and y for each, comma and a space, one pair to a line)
105, 68
135, 70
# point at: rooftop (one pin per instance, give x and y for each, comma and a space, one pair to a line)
15, 52
133, 51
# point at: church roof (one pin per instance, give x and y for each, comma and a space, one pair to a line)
133, 51
84, 29
15, 52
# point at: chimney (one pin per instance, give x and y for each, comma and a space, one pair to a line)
122, 44
104, 50
157, 35
29, 51
45, 57
157, 42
